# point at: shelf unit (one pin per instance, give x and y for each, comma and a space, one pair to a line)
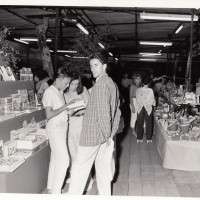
30, 177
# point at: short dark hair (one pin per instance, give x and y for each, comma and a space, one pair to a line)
100, 56
63, 72
146, 80
76, 76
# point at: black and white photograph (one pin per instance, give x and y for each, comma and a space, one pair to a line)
99, 99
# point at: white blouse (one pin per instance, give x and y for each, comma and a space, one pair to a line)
55, 99
145, 97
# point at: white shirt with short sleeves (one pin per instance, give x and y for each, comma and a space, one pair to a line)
54, 98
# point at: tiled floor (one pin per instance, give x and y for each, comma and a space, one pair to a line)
141, 173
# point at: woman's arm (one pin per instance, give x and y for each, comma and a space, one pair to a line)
85, 95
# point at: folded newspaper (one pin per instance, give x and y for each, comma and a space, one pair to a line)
79, 105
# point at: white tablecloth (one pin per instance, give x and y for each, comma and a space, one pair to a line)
180, 155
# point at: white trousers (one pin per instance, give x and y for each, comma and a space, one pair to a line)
133, 115
82, 167
74, 131
59, 160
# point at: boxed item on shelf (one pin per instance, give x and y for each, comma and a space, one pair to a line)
16, 100
21, 154
31, 141
10, 164
31, 97
16, 134
9, 148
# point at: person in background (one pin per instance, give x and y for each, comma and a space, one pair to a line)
57, 125
42, 82
125, 83
100, 124
137, 83
76, 91
145, 100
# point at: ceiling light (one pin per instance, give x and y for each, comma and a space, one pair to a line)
101, 45
147, 59
66, 51
80, 26
156, 43
51, 50
79, 57
179, 29
116, 58
34, 39
150, 54
171, 17
18, 40
110, 54
68, 56
160, 51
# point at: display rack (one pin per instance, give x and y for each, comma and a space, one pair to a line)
31, 177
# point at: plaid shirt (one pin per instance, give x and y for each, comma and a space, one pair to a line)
102, 114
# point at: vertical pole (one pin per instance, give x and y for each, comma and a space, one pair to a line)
56, 41
189, 63
136, 32
191, 42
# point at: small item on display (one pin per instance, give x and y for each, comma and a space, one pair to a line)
26, 74
7, 73
177, 121
10, 164
31, 97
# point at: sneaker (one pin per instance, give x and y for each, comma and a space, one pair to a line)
139, 141
149, 141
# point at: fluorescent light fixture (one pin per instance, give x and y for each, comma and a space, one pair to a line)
156, 43
147, 59
51, 50
18, 40
68, 56
110, 54
116, 58
80, 26
160, 51
150, 54
66, 51
101, 45
34, 39
80, 57
179, 29
171, 17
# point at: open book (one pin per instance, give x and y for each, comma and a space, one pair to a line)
79, 105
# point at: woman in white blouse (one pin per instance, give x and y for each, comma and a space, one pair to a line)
76, 92
57, 125
145, 100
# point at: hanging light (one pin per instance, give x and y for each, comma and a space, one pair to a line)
18, 40
101, 45
80, 26
179, 29
156, 43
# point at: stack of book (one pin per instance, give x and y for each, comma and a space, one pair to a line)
26, 74
7, 74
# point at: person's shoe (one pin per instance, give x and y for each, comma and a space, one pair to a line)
149, 141
139, 141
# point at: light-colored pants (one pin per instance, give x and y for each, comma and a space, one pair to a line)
82, 167
74, 131
59, 160
133, 115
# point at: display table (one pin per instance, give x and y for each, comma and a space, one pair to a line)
180, 155
31, 177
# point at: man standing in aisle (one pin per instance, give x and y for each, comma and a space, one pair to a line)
100, 123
